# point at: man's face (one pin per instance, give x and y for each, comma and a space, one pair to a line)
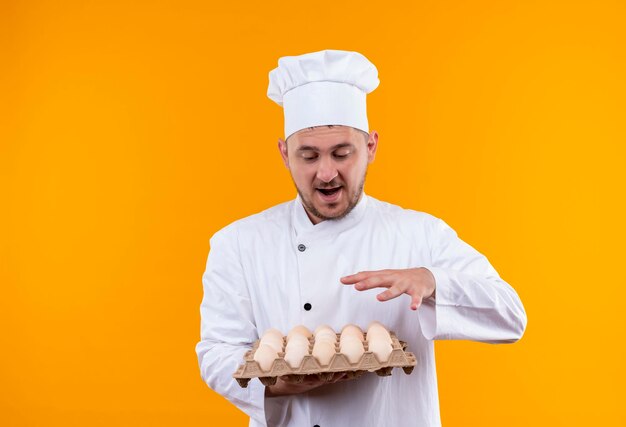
328, 166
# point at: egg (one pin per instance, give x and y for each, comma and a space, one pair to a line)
353, 349
377, 331
274, 332
294, 355
323, 351
352, 330
349, 338
376, 325
327, 339
327, 334
379, 335
329, 342
273, 341
265, 356
381, 350
323, 328
300, 330
297, 341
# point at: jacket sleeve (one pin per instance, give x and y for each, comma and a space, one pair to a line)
471, 301
227, 326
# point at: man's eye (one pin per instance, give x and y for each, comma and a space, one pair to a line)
342, 154
309, 157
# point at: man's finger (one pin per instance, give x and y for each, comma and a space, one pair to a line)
379, 281
390, 293
312, 381
416, 301
360, 276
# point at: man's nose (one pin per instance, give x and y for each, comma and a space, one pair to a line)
327, 171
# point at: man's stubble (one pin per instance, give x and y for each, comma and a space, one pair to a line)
351, 204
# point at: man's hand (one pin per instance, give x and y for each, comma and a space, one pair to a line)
418, 283
286, 384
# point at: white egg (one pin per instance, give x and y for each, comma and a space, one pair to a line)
299, 339
349, 337
294, 355
265, 356
353, 349
376, 325
377, 331
273, 332
327, 339
325, 331
379, 335
298, 343
323, 351
352, 330
273, 341
381, 350
323, 328
300, 330
332, 340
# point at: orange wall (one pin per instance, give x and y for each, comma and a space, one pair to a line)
132, 131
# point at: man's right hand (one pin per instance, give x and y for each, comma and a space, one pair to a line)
287, 384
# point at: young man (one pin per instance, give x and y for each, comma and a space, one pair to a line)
320, 258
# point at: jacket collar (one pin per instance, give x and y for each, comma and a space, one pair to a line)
305, 229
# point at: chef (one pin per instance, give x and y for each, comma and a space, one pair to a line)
335, 255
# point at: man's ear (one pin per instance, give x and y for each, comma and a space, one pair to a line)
282, 147
372, 145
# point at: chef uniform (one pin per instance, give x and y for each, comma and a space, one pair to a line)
276, 269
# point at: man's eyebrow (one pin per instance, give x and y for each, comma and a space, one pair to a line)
334, 147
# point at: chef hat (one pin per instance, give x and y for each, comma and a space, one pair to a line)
323, 88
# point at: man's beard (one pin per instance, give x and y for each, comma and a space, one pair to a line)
351, 203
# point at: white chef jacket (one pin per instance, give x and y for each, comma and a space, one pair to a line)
263, 269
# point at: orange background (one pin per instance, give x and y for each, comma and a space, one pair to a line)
131, 131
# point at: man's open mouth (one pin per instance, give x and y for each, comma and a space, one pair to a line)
329, 191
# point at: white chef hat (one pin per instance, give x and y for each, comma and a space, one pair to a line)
323, 88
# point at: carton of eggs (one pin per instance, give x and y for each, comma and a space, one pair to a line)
323, 351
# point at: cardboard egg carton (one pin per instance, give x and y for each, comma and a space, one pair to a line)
399, 358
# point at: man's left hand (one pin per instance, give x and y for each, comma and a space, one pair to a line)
418, 283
